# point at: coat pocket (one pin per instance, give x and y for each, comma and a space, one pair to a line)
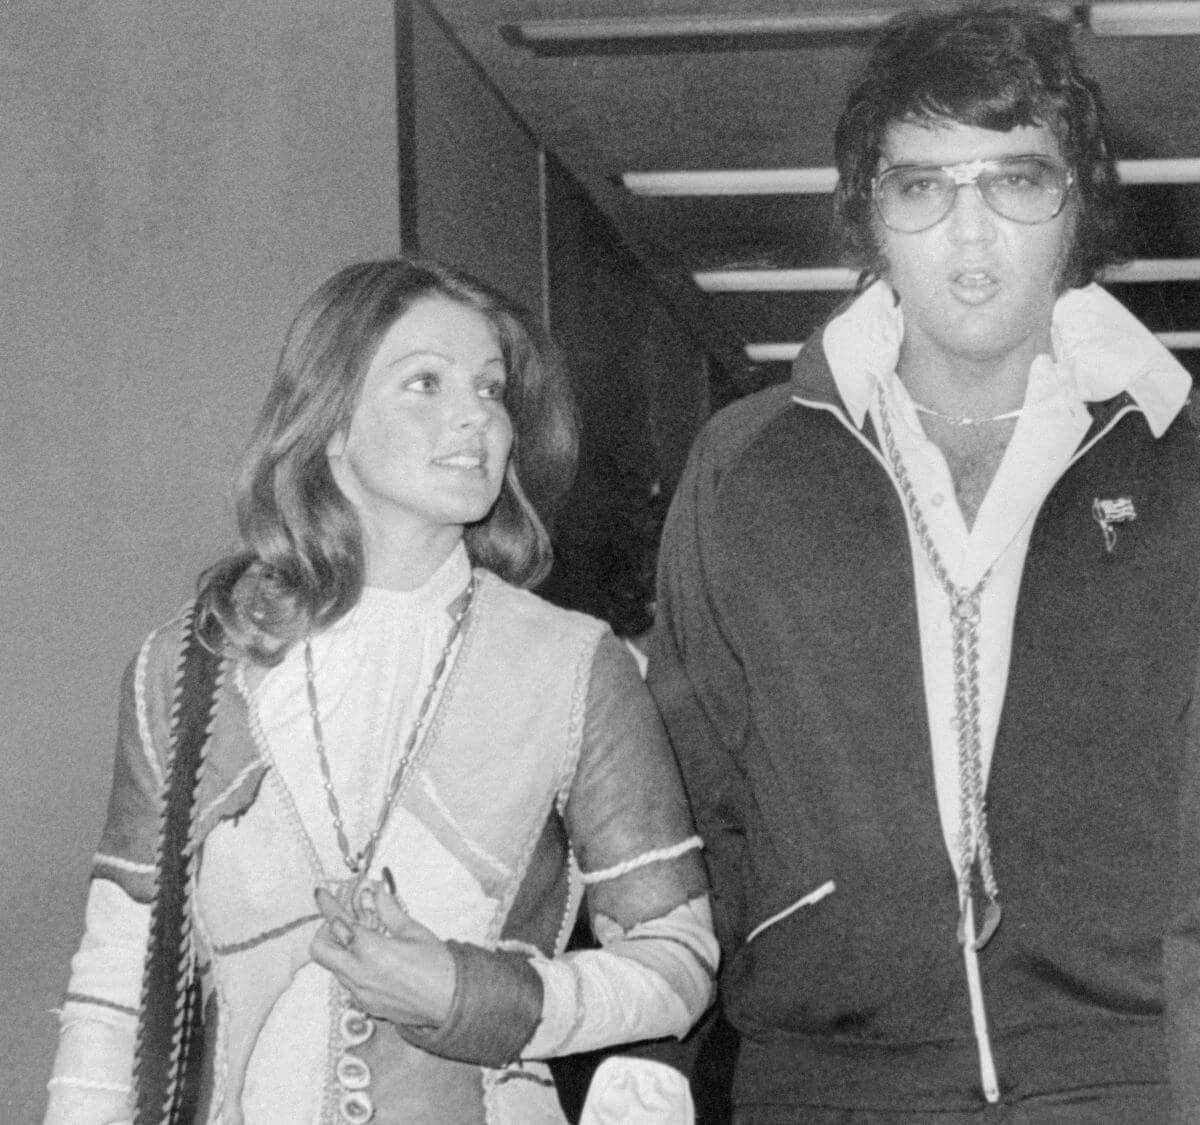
824, 890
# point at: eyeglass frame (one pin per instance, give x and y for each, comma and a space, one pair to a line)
966, 173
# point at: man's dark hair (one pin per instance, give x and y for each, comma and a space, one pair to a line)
992, 68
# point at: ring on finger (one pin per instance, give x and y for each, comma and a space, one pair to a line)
343, 933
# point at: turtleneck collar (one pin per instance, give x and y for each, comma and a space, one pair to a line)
439, 590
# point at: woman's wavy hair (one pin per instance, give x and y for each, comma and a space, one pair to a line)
993, 68
301, 565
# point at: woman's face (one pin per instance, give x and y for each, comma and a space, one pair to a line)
428, 443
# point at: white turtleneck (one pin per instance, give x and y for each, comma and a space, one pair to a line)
372, 670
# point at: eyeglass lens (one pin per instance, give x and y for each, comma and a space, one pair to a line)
1027, 189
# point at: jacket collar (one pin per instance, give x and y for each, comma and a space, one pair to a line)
1107, 355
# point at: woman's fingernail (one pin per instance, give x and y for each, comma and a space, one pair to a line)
342, 933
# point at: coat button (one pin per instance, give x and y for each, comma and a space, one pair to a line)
356, 1028
356, 1107
353, 1073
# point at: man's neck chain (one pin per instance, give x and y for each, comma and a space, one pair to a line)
359, 864
964, 618
959, 420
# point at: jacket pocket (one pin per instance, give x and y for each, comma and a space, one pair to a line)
824, 890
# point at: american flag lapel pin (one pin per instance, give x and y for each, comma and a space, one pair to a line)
1109, 513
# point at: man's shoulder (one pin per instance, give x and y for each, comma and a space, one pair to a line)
1189, 416
736, 426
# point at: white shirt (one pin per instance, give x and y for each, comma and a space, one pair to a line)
372, 669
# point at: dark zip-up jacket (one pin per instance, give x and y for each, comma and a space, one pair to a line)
787, 665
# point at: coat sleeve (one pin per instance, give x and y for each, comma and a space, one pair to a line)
629, 826
698, 682
1181, 945
646, 891
91, 1081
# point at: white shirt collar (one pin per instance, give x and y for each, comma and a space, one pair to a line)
1101, 350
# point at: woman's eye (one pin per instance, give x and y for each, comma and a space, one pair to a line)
493, 389
426, 382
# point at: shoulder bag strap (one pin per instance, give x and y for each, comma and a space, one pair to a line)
170, 1031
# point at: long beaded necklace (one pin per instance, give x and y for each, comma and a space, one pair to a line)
964, 620
360, 863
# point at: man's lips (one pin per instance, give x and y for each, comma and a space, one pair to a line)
974, 285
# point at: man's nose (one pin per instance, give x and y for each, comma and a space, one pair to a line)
971, 219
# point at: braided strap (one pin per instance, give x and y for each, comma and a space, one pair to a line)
973, 840
169, 1037
691, 844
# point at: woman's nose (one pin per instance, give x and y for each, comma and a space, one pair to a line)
469, 411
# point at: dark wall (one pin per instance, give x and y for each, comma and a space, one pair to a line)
640, 383
478, 197
489, 201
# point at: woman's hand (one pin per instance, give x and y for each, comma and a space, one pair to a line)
394, 968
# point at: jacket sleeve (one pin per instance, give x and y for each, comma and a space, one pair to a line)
1181, 945
92, 1074
698, 682
646, 891
627, 819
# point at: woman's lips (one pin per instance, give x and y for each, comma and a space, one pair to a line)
470, 462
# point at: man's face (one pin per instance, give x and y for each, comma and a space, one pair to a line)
975, 287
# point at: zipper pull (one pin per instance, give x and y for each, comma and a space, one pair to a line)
991, 923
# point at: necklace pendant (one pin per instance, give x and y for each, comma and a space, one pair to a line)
344, 889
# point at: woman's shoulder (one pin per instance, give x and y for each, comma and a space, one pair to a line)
148, 684
163, 645
152, 671
528, 611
